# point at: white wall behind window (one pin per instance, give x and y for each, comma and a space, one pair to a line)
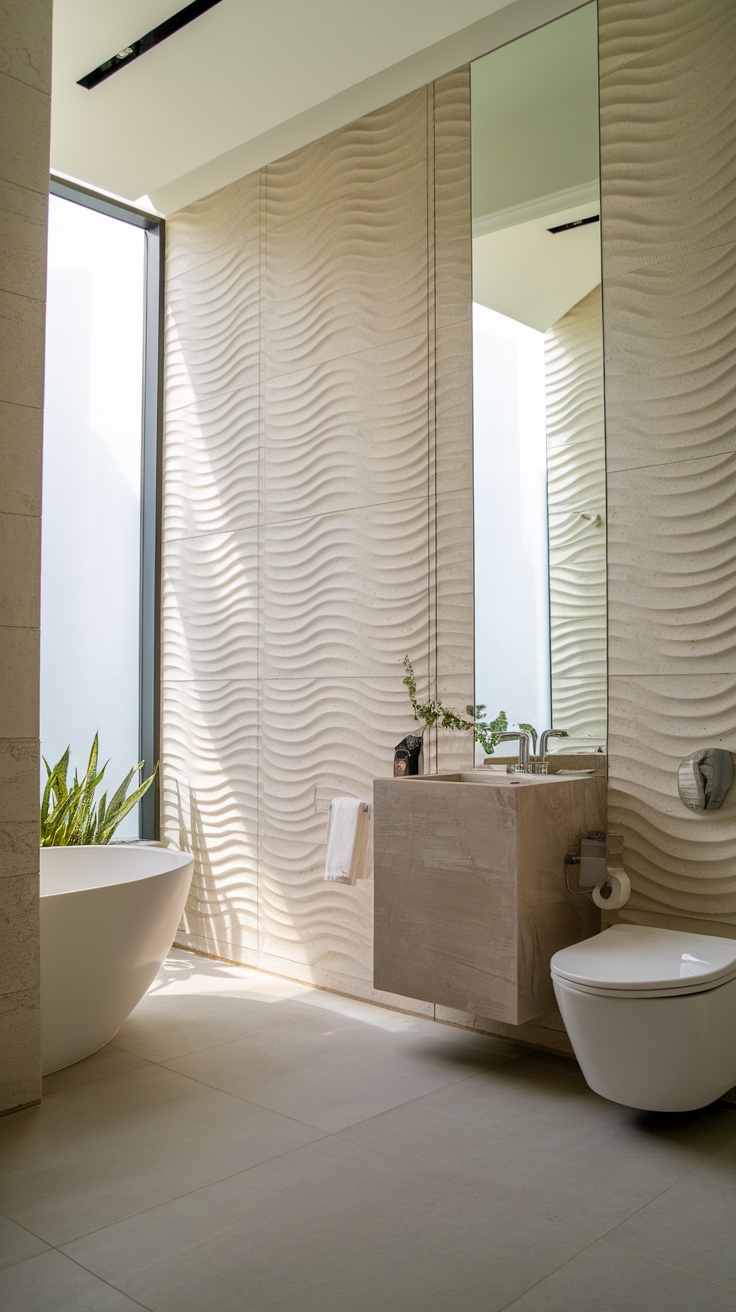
91, 490
512, 668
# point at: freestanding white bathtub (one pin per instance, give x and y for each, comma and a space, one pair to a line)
108, 918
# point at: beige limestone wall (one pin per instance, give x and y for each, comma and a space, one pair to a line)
317, 516
576, 504
668, 157
25, 81
317, 490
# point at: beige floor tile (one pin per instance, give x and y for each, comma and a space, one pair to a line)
96, 1153
326, 1228
167, 1025
107, 1061
16, 1243
606, 1278
691, 1225
53, 1283
545, 1143
330, 1071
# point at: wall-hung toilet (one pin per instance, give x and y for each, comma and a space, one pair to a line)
651, 1015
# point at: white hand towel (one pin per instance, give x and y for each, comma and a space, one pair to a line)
348, 829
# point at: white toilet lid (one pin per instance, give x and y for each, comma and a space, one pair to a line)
635, 957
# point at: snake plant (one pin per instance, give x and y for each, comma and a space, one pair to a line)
70, 812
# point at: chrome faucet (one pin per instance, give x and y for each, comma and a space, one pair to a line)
525, 742
550, 733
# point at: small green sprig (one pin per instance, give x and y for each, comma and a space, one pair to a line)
485, 732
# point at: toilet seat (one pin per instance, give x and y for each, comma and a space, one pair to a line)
639, 961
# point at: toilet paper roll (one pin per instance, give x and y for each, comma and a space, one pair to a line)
614, 893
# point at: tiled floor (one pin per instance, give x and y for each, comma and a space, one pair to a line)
251, 1145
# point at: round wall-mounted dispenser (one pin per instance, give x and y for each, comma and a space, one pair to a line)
704, 778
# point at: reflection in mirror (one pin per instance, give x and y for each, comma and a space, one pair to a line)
539, 453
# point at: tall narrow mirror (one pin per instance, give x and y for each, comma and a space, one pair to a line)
539, 447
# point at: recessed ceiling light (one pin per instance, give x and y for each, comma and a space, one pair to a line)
147, 42
576, 223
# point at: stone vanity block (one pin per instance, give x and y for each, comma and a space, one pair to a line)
471, 900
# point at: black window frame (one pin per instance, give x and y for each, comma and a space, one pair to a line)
151, 449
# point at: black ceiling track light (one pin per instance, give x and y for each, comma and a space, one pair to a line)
147, 42
576, 223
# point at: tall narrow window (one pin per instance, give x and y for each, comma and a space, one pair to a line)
98, 561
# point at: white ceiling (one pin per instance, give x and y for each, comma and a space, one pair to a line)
536, 276
535, 165
247, 81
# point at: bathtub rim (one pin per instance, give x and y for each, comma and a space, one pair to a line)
134, 877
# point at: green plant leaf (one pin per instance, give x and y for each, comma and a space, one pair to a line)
71, 815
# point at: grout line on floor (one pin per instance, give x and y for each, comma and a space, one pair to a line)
507, 1306
136, 1301
672, 1266
166, 1202
194, 1052
307, 1124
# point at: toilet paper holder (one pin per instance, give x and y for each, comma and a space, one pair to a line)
600, 859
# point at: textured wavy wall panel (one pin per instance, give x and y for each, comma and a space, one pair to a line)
681, 863
629, 30
348, 432
347, 276
576, 486
210, 805
668, 126
357, 166
211, 455
345, 594
322, 737
214, 226
209, 606
673, 559
671, 365
451, 637
318, 514
668, 210
212, 328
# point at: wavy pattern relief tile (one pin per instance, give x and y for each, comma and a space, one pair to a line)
627, 32
345, 594
573, 361
453, 551
453, 406
575, 488
212, 330
576, 478
348, 276
352, 164
219, 223
321, 738
348, 432
210, 806
580, 705
672, 568
678, 860
452, 112
209, 607
577, 584
671, 359
452, 205
211, 453
667, 161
